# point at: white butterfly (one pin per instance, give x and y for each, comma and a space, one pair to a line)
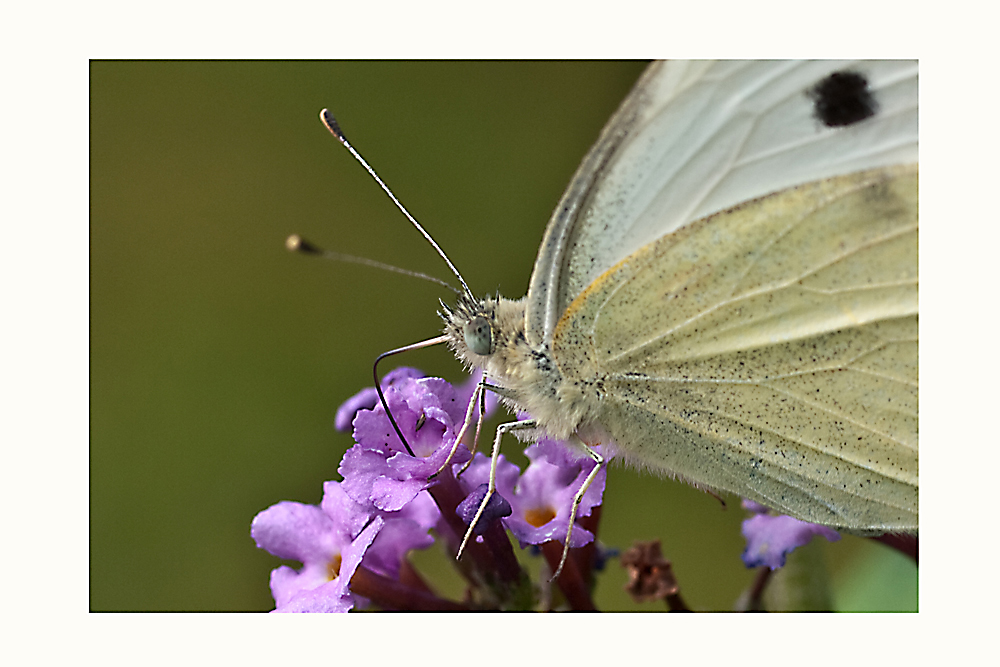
727, 291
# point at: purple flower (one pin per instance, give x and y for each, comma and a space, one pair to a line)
331, 541
313, 591
377, 471
325, 544
367, 398
542, 498
771, 538
389, 500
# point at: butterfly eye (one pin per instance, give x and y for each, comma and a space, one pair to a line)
479, 336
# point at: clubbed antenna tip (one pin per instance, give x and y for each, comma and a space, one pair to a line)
331, 124
296, 243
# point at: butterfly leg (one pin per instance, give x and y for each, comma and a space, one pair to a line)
479, 428
483, 385
600, 461
465, 427
501, 429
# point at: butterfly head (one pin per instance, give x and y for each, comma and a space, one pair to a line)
470, 326
485, 333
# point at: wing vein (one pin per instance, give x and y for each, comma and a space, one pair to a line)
801, 441
770, 289
839, 366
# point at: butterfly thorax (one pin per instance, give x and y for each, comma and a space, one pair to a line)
489, 334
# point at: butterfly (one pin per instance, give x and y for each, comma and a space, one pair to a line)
727, 292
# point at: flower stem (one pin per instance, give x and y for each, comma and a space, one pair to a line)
490, 563
571, 580
393, 595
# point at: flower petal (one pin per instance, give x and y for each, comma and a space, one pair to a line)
771, 538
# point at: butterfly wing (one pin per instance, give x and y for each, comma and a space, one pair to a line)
769, 349
697, 137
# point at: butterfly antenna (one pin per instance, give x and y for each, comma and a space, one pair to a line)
331, 124
296, 243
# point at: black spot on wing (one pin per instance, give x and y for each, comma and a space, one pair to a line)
842, 99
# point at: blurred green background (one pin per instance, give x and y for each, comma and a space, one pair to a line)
218, 359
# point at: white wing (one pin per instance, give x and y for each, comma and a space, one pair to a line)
770, 351
694, 138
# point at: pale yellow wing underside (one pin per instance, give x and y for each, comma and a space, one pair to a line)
769, 350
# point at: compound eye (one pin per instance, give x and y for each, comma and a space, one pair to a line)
479, 336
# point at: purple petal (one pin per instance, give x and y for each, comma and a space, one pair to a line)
422, 510
545, 494
367, 398
424, 411
390, 495
401, 373
555, 452
361, 468
325, 599
447, 398
297, 532
377, 472
333, 595
771, 538
342, 510
754, 507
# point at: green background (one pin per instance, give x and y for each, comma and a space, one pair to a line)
218, 359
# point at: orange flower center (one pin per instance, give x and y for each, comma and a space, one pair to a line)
539, 517
334, 567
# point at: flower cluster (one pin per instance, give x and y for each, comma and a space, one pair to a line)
353, 546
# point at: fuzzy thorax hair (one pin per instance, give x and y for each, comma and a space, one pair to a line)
527, 379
